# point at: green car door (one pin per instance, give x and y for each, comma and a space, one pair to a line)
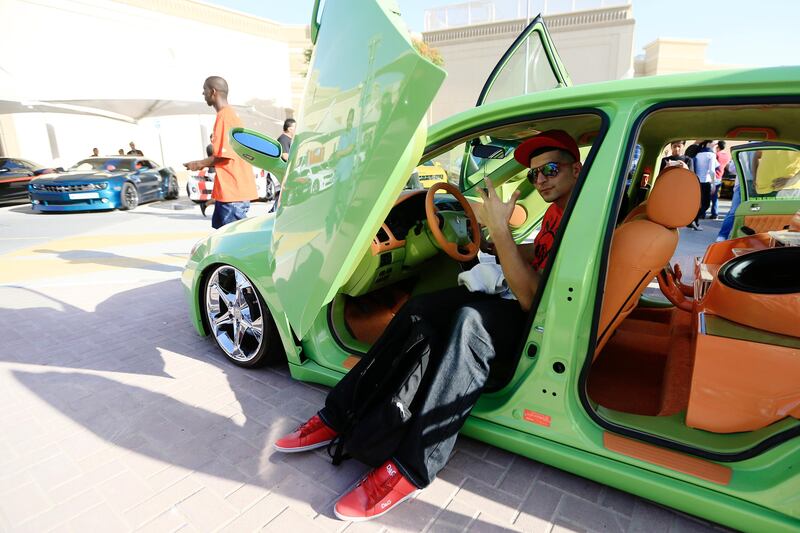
769, 184
366, 97
531, 64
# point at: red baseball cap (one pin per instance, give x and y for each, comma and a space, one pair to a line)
556, 139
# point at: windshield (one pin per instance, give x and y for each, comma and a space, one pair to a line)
105, 164
15, 164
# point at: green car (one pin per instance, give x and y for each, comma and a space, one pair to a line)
674, 402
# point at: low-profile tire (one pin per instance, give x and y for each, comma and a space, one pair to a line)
270, 190
172, 189
128, 196
238, 319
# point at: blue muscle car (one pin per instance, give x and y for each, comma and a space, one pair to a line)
98, 183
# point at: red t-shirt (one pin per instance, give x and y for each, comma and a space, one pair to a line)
547, 235
234, 181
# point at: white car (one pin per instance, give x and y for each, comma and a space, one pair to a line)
200, 185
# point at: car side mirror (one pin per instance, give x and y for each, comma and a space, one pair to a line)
258, 150
488, 151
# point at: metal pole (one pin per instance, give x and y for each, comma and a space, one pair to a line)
161, 147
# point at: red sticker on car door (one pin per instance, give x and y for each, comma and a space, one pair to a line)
537, 418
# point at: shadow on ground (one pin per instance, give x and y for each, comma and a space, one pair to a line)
146, 332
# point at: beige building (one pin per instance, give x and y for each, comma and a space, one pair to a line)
595, 45
672, 56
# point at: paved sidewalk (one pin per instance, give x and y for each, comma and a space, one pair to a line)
117, 416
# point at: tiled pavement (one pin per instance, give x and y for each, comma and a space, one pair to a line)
117, 416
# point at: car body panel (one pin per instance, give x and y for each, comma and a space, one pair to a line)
15, 174
368, 86
243, 244
88, 189
769, 184
200, 185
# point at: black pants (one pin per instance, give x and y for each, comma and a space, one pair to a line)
705, 200
471, 329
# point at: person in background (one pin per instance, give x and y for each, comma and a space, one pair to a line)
285, 139
676, 158
95, 152
134, 150
692, 150
727, 222
705, 165
234, 184
210, 149
121, 151
722, 160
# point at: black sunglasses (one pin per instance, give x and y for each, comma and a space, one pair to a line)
548, 170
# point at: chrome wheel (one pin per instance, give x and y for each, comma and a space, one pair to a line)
235, 315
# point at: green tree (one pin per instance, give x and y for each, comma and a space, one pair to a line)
428, 51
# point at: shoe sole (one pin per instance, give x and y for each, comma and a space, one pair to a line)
302, 448
365, 518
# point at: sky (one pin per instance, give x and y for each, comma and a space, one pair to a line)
741, 32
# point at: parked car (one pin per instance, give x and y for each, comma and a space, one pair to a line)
686, 402
99, 183
431, 173
15, 174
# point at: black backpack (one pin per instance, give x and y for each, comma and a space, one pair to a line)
388, 379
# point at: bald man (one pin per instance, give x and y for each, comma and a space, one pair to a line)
234, 185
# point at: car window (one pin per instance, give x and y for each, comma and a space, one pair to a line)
451, 162
771, 174
104, 164
527, 71
12, 164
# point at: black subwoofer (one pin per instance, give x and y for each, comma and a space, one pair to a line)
771, 271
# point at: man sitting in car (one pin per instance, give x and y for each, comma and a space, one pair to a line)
476, 328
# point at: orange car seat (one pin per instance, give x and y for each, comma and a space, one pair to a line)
642, 246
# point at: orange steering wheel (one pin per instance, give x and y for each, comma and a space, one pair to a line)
469, 230
679, 294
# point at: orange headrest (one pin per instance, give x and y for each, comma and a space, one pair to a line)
675, 198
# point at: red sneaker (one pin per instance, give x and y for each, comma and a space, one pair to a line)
378, 493
309, 436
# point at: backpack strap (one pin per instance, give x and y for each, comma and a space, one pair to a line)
336, 450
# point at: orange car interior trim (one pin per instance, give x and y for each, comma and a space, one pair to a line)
765, 223
350, 361
392, 243
738, 385
672, 460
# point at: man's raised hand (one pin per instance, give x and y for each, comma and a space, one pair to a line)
496, 212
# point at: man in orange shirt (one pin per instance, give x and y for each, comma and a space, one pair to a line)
234, 185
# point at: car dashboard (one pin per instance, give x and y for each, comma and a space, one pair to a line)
402, 243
